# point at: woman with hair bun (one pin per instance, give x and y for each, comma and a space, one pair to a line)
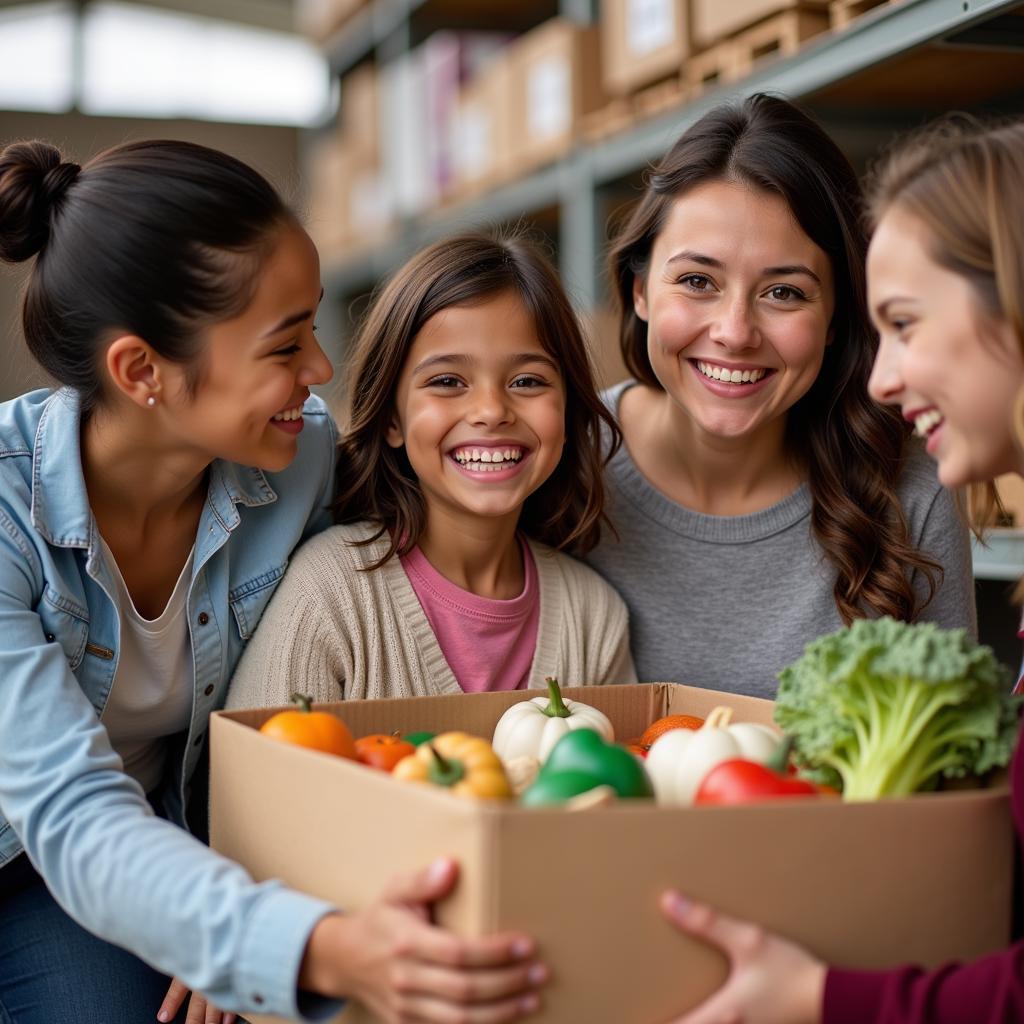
761, 498
947, 295
148, 509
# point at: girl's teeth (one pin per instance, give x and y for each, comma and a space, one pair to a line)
289, 414
485, 459
730, 376
927, 422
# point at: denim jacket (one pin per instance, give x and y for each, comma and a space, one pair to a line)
125, 874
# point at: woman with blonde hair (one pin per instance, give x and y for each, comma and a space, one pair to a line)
946, 287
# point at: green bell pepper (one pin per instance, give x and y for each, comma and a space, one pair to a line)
416, 738
580, 761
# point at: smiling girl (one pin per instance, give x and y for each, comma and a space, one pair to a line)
472, 459
761, 498
148, 507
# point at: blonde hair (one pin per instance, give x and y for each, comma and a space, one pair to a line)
964, 181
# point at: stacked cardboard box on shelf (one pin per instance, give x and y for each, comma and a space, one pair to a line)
525, 107
643, 41
861, 884
327, 220
348, 197
659, 52
419, 111
483, 150
712, 21
557, 82
366, 197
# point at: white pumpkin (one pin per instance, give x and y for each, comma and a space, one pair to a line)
532, 727
679, 759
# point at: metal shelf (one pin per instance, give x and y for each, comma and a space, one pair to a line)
364, 32
573, 183
1000, 556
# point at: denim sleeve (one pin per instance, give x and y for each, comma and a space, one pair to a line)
122, 873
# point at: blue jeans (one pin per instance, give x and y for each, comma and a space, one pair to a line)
52, 971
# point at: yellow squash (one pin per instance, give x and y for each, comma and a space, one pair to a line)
467, 765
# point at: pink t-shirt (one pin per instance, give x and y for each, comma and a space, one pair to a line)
488, 644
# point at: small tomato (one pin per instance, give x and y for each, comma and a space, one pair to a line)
382, 750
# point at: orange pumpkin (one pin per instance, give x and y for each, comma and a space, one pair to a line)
316, 730
667, 724
383, 750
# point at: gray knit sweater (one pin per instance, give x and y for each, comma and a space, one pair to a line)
335, 632
726, 601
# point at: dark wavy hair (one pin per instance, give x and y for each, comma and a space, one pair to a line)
377, 483
852, 449
159, 238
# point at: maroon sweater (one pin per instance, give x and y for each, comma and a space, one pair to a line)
986, 991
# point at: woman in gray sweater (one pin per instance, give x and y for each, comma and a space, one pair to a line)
761, 498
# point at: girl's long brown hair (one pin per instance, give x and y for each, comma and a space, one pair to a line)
377, 483
852, 449
963, 181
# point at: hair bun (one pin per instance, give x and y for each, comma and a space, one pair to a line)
33, 182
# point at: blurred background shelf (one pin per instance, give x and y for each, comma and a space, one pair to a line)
891, 66
1000, 555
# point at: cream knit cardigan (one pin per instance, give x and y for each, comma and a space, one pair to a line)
334, 632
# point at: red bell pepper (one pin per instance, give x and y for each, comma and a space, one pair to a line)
738, 781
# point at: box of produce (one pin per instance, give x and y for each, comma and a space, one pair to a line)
702, 795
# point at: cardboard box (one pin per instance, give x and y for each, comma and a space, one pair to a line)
643, 41
713, 20
359, 114
864, 885
483, 154
556, 82
329, 175
450, 60
405, 136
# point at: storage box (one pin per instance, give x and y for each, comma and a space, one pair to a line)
643, 41
450, 60
863, 885
482, 150
329, 176
556, 72
713, 20
359, 115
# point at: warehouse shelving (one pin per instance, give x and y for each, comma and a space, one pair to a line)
829, 74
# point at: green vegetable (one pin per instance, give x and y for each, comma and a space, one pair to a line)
557, 788
581, 761
416, 738
883, 708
